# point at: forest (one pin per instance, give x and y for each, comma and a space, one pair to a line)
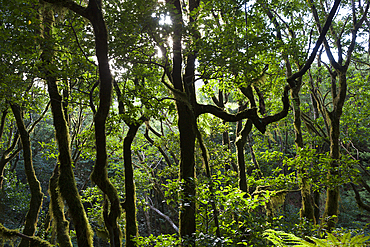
184, 123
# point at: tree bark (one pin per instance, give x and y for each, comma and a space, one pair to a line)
185, 102
130, 202
94, 13
100, 174
240, 142
57, 210
2, 122
187, 172
316, 193
307, 210
332, 192
67, 183
35, 188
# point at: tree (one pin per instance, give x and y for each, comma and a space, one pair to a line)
200, 75
338, 98
36, 194
66, 180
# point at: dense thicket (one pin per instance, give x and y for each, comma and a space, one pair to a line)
184, 123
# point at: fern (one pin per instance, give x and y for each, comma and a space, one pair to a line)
282, 239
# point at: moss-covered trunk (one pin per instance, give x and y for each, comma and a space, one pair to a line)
100, 174
338, 93
67, 183
185, 94
57, 210
332, 192
94, 13
307, 210
187, 172
240, 142
130, 202
35, 188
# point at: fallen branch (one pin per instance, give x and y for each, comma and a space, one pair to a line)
164, 217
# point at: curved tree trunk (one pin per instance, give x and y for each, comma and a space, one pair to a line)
332, 193
67, 183
35, 188
338, 98
242, 133
2, 122
100, 173
94, 13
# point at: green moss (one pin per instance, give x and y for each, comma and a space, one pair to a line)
8, 234
57, 210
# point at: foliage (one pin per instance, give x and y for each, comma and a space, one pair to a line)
237, 44
14, 199
158, 241
279, 238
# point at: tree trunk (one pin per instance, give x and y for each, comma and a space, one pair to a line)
2, 122
187, 172
67, 183
332, 193
35, 188
130, 202
57, 210
100, 174
94, 13
240, 142
185, 94
316, 193
307, 210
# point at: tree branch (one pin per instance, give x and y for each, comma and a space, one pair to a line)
164, 217
71, 5
359, 201
303, 70
2, 124
354, 32
34, 241
259, 123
